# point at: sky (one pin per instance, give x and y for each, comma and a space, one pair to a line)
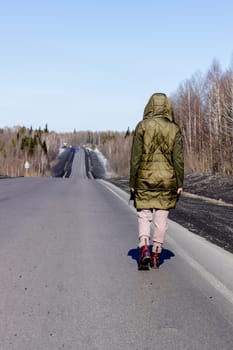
93, 65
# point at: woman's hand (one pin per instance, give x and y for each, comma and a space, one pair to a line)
179, 190
132, 194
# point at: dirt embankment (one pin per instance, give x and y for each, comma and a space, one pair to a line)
205, 208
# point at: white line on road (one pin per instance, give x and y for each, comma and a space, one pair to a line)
219, 286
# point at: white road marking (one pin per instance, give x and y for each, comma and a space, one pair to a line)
219, 286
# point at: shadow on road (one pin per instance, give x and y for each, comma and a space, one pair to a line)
165, 255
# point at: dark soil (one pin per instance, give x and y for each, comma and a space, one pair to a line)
212, 186
209, 213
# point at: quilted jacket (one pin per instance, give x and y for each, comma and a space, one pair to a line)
157, 166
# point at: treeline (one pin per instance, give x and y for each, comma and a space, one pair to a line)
203, 107
20, 146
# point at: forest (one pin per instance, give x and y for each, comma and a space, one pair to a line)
203, 108
20, 145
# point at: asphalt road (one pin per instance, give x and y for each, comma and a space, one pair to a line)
69, 277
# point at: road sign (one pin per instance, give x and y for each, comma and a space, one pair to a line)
26, 165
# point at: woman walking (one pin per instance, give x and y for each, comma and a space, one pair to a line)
156, 174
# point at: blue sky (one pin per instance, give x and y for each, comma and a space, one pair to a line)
92, 65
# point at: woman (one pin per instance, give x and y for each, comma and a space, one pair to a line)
156, 174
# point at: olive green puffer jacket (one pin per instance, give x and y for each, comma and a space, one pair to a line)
157, 166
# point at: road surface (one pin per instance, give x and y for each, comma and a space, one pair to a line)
69, 277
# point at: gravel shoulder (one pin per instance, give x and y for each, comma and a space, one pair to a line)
205, 208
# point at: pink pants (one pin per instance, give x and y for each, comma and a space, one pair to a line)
160, 223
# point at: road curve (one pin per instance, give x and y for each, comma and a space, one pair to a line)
69, 278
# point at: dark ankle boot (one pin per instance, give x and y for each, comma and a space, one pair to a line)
154, 261
145, 258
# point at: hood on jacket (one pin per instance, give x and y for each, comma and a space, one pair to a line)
157, 106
